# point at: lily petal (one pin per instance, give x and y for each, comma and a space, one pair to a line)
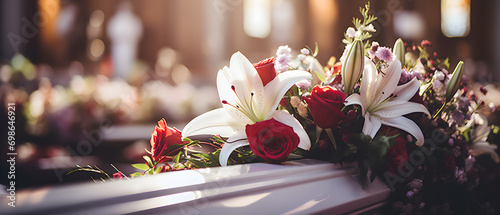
214, 122
372, 125
287, 119
407, 125
482, 130
358, 100
275, 89
226, 94
228, 148
368, 82
387, 81
483, 147
392, 109
245, 83
406, 91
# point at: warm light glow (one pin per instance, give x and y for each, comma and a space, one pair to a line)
97, 48
409, 25
455, 17
257, 18
96, 18
46, 18
181, 74
323, 14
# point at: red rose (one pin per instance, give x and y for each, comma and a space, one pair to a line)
163, 137
325, 104
397, 155
272, 140
447, 163
265, 69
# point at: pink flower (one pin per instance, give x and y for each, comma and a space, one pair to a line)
118, 175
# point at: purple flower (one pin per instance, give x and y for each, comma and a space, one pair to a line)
405, 77
409, 194
451, 141
385, 54
456, 117
463, 103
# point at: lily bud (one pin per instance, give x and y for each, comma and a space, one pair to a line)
455, 80
399, 51
353, 66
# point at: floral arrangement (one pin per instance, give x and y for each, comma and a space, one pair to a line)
400, 114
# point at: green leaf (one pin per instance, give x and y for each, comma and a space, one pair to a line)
135, 174
178, 157
197, 163
321, 77
158, 169
141, 166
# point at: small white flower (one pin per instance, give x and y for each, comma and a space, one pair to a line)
351, 32
284, 50
357, 34
305, 51
438, 75
301, 57
368, 28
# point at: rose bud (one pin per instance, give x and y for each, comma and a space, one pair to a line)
162, 138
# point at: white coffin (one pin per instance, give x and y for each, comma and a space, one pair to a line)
298, 187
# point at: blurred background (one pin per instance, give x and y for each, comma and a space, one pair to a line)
90, 79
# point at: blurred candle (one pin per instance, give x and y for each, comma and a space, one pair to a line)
257, 18
455, 17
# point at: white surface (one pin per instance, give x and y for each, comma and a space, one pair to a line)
299, 187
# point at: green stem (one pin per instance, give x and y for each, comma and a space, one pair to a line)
439, 111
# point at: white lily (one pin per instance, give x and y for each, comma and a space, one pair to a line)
479, 135
383, 102
246, 101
